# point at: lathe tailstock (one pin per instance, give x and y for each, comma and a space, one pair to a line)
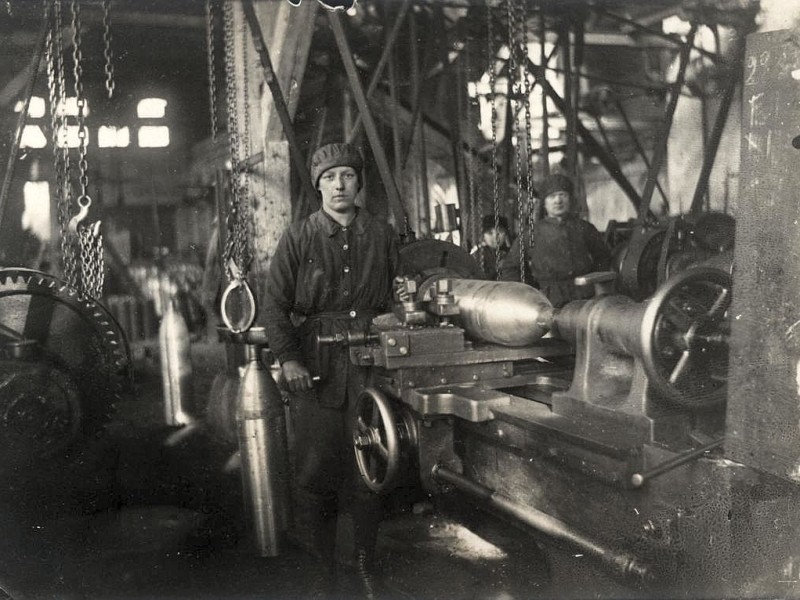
600, 426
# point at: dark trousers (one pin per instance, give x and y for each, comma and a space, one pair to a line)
326, 477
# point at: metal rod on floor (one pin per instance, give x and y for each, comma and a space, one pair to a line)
621, 562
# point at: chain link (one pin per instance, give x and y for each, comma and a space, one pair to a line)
212, 74
92, 267
107, 51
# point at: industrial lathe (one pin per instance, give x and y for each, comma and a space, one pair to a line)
601, 426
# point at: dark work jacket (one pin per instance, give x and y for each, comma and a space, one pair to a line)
487, 259
324, 279
556, 252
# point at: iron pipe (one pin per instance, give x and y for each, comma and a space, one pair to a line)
621, 562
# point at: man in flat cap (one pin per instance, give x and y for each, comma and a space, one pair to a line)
558, 248
332, 272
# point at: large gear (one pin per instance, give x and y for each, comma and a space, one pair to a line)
64, 362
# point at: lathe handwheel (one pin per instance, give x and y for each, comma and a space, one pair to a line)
685, 332
376, 441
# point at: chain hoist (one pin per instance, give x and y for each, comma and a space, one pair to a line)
108, 54
88, 236
493, 100
212, 72
236, 253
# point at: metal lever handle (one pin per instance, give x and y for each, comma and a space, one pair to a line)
639, 479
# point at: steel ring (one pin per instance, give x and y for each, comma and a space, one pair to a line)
250, 317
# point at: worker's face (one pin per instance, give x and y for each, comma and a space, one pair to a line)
557, 204
339, 187
495, 237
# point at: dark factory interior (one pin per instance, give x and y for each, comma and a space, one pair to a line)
430, 299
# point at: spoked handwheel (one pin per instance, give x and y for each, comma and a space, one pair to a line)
377, 439
685, 331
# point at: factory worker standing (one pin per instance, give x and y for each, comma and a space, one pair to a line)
558, 248
331, 273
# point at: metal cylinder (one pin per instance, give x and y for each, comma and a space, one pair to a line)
620, 562
502, 312
261, 431
176, 367
616, 320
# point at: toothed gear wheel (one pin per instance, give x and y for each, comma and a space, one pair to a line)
64, 362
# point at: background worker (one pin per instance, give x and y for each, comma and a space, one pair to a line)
559, 247
332, 272
494, 246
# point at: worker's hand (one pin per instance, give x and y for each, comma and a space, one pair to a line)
296, 375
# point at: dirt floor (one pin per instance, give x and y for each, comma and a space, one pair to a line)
143, 511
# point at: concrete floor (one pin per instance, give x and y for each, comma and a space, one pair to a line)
132, 515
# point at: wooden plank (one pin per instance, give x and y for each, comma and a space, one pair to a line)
763, 416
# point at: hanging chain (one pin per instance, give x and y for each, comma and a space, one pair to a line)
236, 253
212, 74
77, 57
107, 52
493, 97
91, 255
473, 200
527, 216
54, 82
528, 91
514, 89
243, 249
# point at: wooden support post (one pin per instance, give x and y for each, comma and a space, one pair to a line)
570, 114
418, 133
719, 126
388, 48
639, 148
277, 96
660, 152
545, 152
592, 145
397, 210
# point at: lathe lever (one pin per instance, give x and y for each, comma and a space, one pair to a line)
639, 479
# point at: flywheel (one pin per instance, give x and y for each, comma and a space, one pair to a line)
64, 362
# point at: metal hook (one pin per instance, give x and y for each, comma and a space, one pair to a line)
84, 202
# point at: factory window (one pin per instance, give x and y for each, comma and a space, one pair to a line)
69, 108
35, 107
151, 108
33, 137
69, 137
153, 136
113, 137
36, 216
